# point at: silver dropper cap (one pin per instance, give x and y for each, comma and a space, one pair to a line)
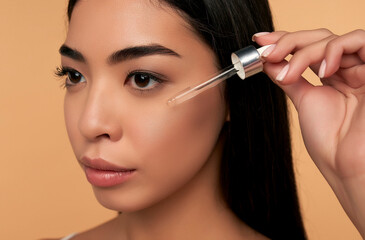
247, 61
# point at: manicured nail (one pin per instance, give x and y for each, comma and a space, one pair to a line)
282, 73
259, 34
322, 69
268, 50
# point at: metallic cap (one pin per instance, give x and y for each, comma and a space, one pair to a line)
247, 61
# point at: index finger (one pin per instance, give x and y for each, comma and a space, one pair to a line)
289, 43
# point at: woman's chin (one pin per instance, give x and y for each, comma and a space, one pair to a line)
126, 203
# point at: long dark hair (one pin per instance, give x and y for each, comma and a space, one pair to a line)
257, 178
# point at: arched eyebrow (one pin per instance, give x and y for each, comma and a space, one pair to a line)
140, 51
123, 54
71, 53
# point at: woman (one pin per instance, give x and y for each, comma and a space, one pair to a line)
218, 166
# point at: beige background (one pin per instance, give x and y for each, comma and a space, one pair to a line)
43, 193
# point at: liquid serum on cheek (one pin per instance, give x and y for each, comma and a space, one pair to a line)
245, 62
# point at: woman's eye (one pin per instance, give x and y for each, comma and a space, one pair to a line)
73, 77
143, 81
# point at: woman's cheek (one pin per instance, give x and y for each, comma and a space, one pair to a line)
71, 120
173, 144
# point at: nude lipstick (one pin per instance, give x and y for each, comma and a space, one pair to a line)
101, 173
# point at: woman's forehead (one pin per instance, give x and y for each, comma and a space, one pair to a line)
126, 19
103, 27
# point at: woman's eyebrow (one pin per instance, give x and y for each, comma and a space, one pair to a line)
140, 51
123, 54
71, 53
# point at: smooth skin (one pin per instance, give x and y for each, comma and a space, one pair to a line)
332, 116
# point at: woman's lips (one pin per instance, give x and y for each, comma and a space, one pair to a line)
101, 173
106, 178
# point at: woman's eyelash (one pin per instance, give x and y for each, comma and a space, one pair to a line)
157, 77
62, 72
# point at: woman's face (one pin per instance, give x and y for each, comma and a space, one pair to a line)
132, 56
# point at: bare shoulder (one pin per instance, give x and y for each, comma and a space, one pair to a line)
102, 231
50, 239
96, 233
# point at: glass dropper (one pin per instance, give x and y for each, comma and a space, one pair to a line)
246, 62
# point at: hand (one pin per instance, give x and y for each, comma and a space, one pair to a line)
332, 116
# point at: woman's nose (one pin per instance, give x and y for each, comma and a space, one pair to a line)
100, 114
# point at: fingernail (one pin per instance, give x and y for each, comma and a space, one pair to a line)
259, 34
282, 73
268, 50
322, 69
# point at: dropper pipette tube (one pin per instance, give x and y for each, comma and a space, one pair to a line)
246, 62
191, 92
